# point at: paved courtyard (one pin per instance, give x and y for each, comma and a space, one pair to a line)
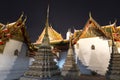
88, 77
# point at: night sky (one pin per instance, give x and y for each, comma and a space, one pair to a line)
64, 14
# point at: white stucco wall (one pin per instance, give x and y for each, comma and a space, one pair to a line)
11, 66
97, 59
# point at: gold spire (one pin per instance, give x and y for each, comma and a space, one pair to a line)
46, 37
47, 22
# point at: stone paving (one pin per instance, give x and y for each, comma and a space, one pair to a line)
88, 77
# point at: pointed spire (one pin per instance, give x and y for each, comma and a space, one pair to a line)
47, 20
46, 37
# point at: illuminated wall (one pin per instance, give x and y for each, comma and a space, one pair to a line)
13, 61
94, 53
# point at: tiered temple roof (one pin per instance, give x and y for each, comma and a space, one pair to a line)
115, 30
15, 30
92, 29
53, 36
108, 28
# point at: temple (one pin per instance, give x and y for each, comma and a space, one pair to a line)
91, 45
53, 36
87, 50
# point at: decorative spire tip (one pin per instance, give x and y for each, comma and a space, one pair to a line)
48, 12
90, 15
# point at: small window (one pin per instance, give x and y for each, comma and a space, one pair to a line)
16, 52
93, 47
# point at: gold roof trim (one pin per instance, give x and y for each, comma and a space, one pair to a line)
54, 36
91, 23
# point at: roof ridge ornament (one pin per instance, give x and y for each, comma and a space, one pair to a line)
21, 16
90, 16
115, 22
24, 20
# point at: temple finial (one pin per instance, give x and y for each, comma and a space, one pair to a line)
90, 16
21, 16
47, 20
46, 37
24, 20
115, 22
48, 12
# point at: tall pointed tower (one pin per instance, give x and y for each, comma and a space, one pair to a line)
113, 72
43, 68
70, 69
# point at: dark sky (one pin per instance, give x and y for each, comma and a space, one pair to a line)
64, 14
